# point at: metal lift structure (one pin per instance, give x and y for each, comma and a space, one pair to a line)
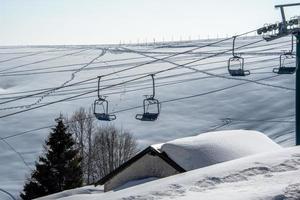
282, 29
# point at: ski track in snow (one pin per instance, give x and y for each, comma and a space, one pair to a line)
209, 183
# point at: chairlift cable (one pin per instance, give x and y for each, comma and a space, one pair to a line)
176, 75
65, 83
135, 107
161, 85
44, 60
40, 69
85, 93
56, 88
128, 76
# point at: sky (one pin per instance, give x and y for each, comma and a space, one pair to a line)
46, 22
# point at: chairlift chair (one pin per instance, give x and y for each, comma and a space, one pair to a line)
236, 64
150, 102
283, 68
102, 104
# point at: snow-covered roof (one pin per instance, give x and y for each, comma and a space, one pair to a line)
215, 147
273, 175
157, 147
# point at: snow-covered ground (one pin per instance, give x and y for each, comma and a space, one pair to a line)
204, 153
262, 101
268, 176
83, 190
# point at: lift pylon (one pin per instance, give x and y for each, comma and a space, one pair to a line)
282, 29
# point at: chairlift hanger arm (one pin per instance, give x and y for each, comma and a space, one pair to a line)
153, 86
233, 45
99, 96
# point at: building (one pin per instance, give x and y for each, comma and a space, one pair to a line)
185, 154
149, 163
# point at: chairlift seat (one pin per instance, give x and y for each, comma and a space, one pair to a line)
284, 70
147, 116
150, 102
238, 72
104, 117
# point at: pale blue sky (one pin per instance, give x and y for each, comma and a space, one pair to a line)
111, 21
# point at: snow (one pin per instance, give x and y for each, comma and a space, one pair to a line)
215, 147
244, 105
157, 146
82, 190
268, 176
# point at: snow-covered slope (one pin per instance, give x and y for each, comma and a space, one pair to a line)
215, 147
262, 101
267, 176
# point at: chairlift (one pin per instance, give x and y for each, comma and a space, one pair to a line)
101, 107
236, 64
151, 106
284, 62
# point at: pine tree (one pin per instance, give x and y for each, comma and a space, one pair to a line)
59, 169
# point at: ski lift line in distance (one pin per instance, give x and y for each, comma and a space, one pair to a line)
29, 54
127, 76
150, 62
163, 84
102, 102
148, 102
132, 108
68, 65
82, 64
139, 66
25, 73
185, 80
213, 51
236, 60
103, 51
290, 55
43, 70
172, 83
179, 53
194, 61
166, 84
85, 93
210, 69
44, 60
116, 93
35, 72
220, 76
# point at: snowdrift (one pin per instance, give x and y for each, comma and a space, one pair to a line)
82, 190
215, 147
273, 175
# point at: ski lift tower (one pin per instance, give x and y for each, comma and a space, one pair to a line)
281, 29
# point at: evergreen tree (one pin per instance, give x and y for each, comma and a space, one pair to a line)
59, 169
